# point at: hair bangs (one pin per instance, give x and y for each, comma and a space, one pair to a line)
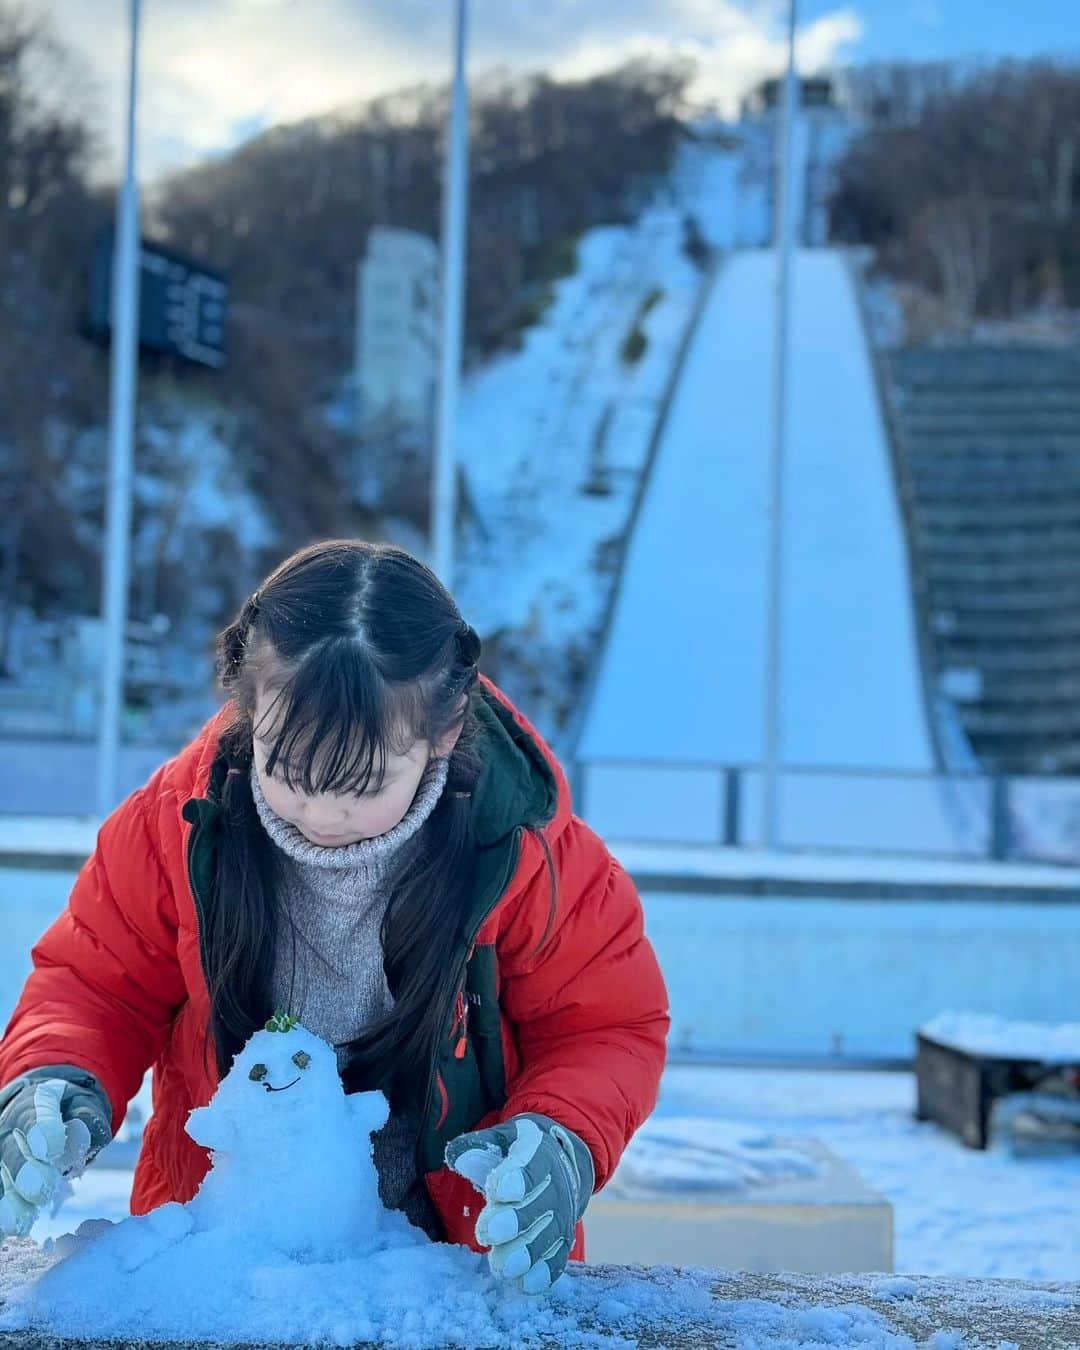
334, 723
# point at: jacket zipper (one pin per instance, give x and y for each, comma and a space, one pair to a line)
444, 1098
461, 1019
196, 896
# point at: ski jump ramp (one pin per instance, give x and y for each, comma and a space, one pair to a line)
679, 689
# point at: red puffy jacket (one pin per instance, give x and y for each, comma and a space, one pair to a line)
581, 1020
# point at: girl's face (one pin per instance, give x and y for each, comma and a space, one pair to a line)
332, 821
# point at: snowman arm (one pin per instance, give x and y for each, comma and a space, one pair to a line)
210, 1128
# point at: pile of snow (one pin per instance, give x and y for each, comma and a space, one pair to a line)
215, 1275
985, 1034
695, 1307
697, 1155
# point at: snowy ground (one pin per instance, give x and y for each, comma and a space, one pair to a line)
957, 1211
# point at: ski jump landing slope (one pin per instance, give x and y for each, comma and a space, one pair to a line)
681, 677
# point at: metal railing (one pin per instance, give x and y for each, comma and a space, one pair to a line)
972, 816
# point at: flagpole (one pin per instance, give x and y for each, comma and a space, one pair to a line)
774, 618
455, 203
122, 385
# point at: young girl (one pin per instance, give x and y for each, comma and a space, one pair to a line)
370, 837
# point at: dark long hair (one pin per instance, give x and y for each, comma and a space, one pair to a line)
365, 653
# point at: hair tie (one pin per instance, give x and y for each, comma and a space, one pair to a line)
469, 644
250, 612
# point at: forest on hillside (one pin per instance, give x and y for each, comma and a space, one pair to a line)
285, 216
967, 185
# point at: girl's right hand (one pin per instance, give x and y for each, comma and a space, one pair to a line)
53, 1121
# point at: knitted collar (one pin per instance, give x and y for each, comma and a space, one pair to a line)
366, 854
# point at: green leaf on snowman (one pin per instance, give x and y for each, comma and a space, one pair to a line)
281, 1021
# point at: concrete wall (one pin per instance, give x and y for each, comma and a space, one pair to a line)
800, 975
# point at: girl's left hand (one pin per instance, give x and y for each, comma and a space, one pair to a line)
536, 1176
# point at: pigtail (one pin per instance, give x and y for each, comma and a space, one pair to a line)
233, 643
240, 931
469, 648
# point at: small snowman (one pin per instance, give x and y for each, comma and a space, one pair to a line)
292, 1154
293, 1188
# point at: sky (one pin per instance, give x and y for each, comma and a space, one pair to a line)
214, 72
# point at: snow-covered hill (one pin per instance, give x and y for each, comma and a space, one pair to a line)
553, 439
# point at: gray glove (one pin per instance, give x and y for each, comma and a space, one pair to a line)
53, 1121
536, 1176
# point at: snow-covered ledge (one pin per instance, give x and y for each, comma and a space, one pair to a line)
286, 1242
660, 1306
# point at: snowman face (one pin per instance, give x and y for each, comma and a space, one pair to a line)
260, 1073
279, 1084
281, 1066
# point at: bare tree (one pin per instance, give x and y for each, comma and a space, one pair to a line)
47, 217
957, 234
286, 216
974, 191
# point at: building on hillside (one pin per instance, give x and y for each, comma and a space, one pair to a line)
397, 353
397, 318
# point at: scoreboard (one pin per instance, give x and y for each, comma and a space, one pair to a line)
182, 304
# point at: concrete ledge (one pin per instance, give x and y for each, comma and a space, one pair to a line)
824, 1223
709, 870
65, 842
727, 1310
51, 843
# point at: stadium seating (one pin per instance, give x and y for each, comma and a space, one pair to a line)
987, 444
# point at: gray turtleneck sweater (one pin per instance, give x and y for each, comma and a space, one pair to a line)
328, 968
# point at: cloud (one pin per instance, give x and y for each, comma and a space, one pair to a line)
818, 45
212, 69
733, 47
